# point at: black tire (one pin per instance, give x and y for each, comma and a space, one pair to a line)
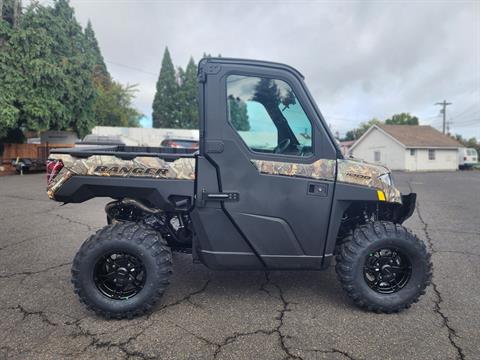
131, 238
369, 238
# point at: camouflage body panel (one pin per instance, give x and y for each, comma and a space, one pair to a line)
107, 165
322, 169
362, 173
349, 171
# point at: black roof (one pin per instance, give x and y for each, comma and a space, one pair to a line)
236, 61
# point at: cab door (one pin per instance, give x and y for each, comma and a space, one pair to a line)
274, 160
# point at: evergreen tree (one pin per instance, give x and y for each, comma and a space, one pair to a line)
53, 76
10, 11
180, 76
46, 73
238, 113
166, 112
100, 69
188, 96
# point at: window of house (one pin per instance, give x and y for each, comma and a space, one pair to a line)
376, 156
431, 154
268, 116
412, 152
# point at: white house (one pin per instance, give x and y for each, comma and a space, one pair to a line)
407, 147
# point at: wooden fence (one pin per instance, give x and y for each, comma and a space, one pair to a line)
31, 151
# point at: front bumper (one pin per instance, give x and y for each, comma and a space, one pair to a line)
403, 212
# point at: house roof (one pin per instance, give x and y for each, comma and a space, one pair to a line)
419, 136
347, 143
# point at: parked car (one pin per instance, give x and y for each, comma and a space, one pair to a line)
180, 143
467, 158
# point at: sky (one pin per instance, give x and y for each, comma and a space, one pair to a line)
360, 59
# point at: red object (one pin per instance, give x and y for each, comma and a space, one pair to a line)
53, 168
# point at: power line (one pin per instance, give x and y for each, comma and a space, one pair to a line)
466, 111
467, 124
444, 105
131, 68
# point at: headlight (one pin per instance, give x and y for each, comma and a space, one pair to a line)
387, 179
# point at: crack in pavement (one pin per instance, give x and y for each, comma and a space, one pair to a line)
95, 337
23, 241
43, 316
205, 340
277, 329
27, 273
187, 297
452, 334
72, 221
123, 346
331, 351
97, 343
232, 338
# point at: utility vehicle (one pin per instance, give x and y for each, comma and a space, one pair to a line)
268, 190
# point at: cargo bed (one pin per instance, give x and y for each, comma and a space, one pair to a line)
157, 176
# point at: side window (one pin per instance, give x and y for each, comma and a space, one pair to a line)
431, 154
377, 156
268, 116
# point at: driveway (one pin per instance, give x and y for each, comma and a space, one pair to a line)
236, 315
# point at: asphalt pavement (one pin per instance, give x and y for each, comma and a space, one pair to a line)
236, 315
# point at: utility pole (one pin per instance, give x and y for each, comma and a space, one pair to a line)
444, 105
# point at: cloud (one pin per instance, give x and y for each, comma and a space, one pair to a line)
360, 59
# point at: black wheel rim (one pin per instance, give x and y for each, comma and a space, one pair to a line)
119, 275
387, 270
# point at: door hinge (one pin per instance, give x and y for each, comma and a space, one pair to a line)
207, 69
202, 77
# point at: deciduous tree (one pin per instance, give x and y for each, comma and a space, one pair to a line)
402, 119
362, 129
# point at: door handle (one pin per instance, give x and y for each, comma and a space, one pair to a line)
222, 196
317, 189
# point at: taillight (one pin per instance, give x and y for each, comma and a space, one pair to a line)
53, 168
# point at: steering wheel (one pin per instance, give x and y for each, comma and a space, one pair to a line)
282, 146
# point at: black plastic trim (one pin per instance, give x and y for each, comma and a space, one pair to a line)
152, 192
128, 152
